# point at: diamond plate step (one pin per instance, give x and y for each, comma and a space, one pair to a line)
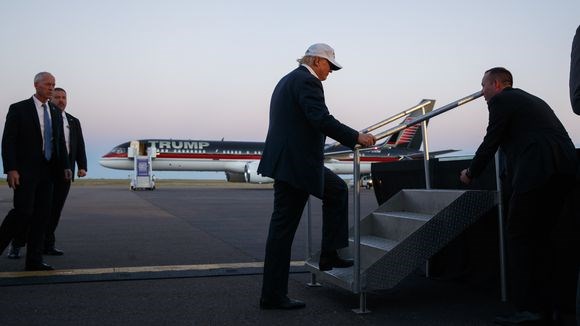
342, 277
396, 225
372, 249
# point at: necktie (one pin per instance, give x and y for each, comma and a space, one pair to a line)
47, 134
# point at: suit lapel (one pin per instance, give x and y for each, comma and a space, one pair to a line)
56, 120
72, 134
36, 118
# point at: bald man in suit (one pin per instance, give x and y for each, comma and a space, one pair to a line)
541, 166
33, 154
75, 146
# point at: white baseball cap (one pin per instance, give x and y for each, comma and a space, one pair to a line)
324, 51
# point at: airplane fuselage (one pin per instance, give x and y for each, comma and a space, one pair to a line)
233, 157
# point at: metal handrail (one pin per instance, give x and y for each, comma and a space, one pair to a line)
429, 115
415, 121
388, 120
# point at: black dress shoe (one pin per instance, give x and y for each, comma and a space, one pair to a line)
284, 304
53, 252
38, 267
329, 260
522, 318
14, 252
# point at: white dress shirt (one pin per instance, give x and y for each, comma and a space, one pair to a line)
40, 112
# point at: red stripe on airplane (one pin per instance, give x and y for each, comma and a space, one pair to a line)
210, 156
374, 159
238, 157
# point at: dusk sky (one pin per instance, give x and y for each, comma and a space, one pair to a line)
206, 69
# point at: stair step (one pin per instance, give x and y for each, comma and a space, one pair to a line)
372, 249
405, 214
393, 225
420, 200
342, 277
376, 242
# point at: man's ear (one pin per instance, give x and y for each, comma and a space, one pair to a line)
316, 61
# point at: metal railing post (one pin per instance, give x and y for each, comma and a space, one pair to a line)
426, 152
313, 282
356, 214
356, 207
427, 171
500, 204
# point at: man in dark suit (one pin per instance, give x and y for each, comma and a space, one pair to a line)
75, 145
541, 163
575, 73
34, 154
294, 157
575, 100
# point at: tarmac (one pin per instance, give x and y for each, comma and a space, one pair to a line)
192, 255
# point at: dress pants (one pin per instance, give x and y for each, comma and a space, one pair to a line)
32, 202
532, 217
60, 193
578, 300
288, 207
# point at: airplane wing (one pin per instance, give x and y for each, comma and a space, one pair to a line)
432, 154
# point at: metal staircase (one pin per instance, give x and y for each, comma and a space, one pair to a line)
412, 226
400, 235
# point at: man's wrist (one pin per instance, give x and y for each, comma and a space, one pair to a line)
468, 173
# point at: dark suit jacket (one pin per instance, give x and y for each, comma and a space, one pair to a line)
533, 140
22, 148
299, 124
575, 73
76, 144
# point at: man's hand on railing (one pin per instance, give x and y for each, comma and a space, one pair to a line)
465, 177
366, 140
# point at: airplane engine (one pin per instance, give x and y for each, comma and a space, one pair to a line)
252, 175
236, 177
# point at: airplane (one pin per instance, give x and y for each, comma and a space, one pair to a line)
240, 159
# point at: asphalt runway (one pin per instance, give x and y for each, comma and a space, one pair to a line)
193, 256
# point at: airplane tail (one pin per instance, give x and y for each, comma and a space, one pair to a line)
411, 137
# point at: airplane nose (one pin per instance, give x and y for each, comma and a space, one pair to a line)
103, 162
